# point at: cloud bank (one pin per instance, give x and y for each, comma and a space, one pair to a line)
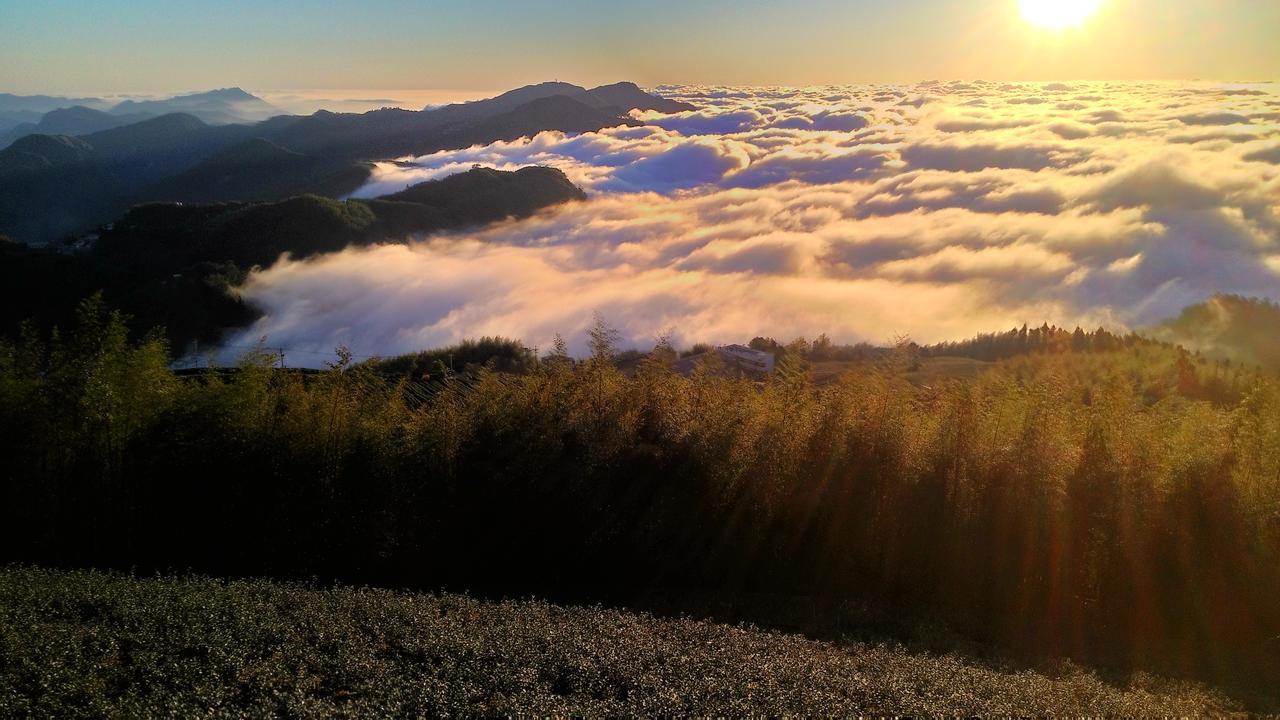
938, 210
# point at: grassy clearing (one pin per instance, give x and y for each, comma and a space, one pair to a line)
98, 644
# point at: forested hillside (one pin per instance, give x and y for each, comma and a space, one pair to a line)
1086, 505
175, 267
1240, 329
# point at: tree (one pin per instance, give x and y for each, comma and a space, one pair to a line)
604, 339
559, 348
663, 353
766, 344
559, 353
821, 348
1079, 340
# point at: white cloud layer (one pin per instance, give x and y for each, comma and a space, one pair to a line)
938, 210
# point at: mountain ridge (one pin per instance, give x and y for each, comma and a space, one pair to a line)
36, 152
163, 158
223, 106
616, 97
76, 120
172, 265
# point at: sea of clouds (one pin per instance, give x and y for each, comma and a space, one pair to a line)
937, 210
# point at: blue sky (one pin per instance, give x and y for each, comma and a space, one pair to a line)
109, 46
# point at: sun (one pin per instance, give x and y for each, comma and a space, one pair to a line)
1058, 14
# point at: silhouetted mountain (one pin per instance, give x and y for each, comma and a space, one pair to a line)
557, 112
1228, 327
367, 135
162, 238
178, 156
513, 99
144, 152
620, 98
392, 132
53, 185
50, 183
27, 110
216, 107
257, 152
257, 233
20, 130
18, 118
35, 153
627, 96
510, 100
258, 169
41, 104
486, 195
171, 265
144, 136
77, 120
550, 113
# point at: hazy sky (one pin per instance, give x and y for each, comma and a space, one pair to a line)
122, 46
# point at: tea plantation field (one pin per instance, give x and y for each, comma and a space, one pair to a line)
92, 644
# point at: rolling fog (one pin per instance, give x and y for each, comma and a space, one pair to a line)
935, 210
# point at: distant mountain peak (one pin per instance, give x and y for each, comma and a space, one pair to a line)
627, 96
231, 93
625, 84
550, 84
619, 97
220, 107
228, 94
74, 110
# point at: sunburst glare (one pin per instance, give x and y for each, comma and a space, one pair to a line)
1058, 14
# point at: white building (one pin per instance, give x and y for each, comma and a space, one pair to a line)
748, 359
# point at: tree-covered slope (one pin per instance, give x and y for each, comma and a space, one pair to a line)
172, 265
485, 194
259, 169
1229, 327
